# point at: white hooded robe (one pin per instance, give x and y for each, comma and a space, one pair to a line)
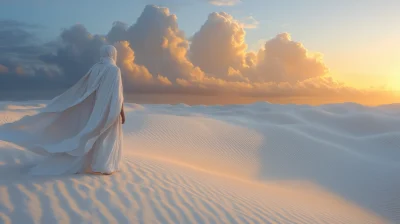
80, 130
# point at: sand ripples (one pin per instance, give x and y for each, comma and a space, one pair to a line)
261, 163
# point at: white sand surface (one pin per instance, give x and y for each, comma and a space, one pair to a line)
258, 163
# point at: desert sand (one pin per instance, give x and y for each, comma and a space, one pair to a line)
257, 163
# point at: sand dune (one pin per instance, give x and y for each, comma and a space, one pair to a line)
258, 163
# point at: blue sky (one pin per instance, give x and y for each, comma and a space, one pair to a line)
359, 39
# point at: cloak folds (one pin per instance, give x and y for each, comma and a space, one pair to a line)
78, 130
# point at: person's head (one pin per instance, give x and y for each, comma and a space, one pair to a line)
108, 52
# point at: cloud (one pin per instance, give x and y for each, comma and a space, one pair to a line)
7, 24
133, 75
224, 2
159, 44
20, 63
250, 23
219, 47
285, 60
155, 57
3, 69
76, 52
18, 42
118, 32
153, 51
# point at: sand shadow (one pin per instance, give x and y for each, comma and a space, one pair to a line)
298, 159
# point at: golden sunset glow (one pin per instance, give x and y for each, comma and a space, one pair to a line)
219, 52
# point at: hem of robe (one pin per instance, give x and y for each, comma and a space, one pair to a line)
65, 164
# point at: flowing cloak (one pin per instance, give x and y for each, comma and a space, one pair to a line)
79, 129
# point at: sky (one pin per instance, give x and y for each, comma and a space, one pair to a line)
357, 40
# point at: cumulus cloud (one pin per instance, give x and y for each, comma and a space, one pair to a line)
285, 60
134, 75
159, 44
152, 52
117, 32
155, 57
218, 48
77, 52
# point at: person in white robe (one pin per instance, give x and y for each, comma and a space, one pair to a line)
79, 131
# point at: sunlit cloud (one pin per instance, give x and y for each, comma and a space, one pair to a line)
282, 59
134, 74
159, 44
219, 46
